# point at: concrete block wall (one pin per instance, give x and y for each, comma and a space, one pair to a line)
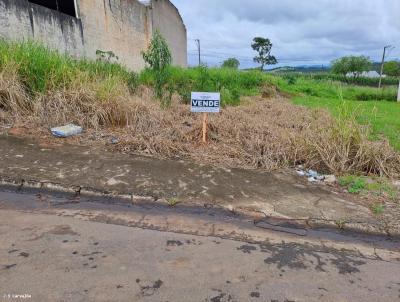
22, 20
120, 26
124, 27
167, 19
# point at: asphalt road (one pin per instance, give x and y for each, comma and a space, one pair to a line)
71, 252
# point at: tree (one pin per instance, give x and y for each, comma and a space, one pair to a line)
263, 46
392, 68
231, 63
158, 57
354, 65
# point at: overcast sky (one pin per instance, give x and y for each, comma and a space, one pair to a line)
304, 32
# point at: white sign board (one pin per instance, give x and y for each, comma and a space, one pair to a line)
206, 102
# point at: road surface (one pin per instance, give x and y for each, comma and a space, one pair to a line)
57, 249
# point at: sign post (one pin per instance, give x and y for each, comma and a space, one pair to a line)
204, 131
205, 102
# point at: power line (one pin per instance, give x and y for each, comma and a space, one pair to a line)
281, 60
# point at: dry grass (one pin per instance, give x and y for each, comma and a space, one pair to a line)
266, 133
13, 98
341, 146
92, 105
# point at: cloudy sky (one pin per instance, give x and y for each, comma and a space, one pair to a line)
304, 32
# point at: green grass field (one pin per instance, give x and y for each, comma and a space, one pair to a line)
380, 110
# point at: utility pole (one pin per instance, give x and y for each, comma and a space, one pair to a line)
383, 62
199, 50
398, 93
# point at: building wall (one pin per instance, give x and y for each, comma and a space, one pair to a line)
168, 21
22, 20
120, 26
124, 27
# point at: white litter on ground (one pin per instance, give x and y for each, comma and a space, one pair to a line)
314, 176
66, 131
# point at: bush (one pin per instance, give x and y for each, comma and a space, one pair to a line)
376, 96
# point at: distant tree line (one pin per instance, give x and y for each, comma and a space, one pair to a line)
356, 65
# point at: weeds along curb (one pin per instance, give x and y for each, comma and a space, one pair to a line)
34, 186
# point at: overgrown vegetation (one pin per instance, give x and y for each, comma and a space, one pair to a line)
42, 88
373, 108
41, 70
231, 83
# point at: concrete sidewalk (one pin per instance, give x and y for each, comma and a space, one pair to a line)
282, 195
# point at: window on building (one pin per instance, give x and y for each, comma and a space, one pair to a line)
64, 6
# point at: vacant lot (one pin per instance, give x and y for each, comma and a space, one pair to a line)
258, 127
373, 107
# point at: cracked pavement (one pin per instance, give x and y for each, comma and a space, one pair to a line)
63, 248
95, 170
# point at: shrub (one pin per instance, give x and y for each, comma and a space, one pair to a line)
159, 58
376, 96
231, 63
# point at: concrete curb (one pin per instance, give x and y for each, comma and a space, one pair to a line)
361, 227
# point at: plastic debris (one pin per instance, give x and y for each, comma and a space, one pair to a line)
301, 173
66, 131
114, 140
312, 179
312, 173
314, 176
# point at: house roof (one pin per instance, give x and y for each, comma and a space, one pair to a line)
145, 2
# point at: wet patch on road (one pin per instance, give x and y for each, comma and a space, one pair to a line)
9, 266
255, 294
149, 288
222, 297
174, 243
24, 254
247, 249
298, 256
346, 265
180, 243
92, 254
